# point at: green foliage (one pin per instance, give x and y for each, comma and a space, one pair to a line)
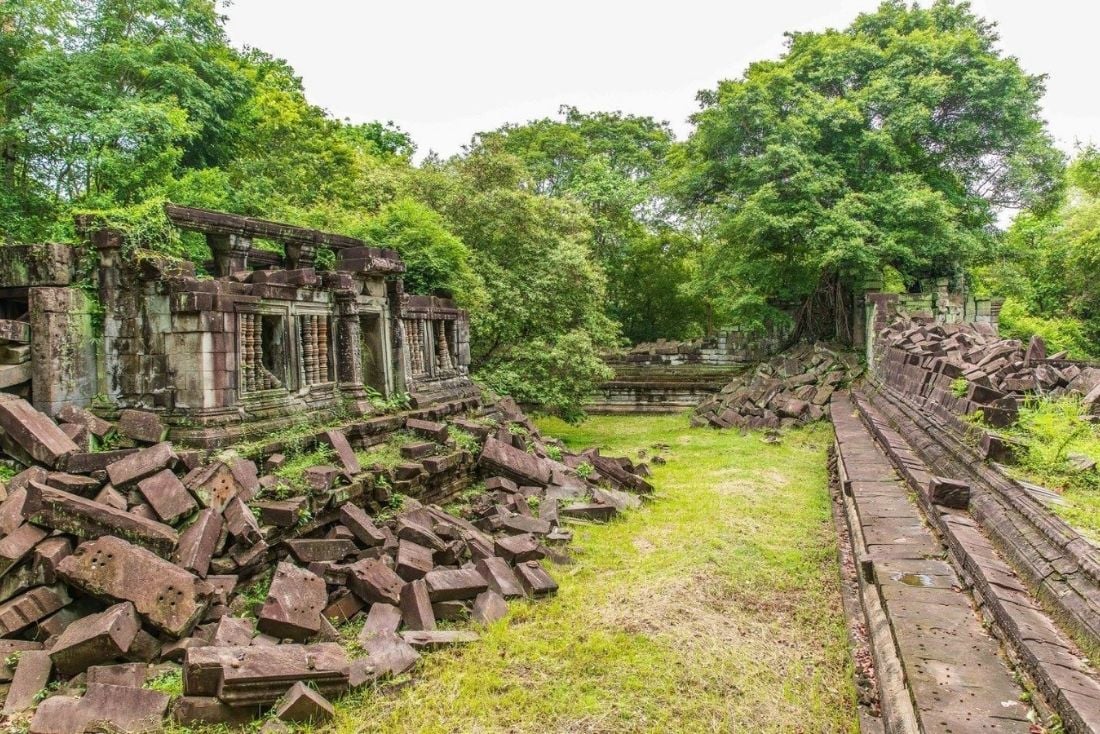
293, 471
396, 403
1053, 429
959, 387
584, 470
890, 143
1059, 333
169, 682
464, 440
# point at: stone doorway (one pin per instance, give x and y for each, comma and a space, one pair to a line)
372, 351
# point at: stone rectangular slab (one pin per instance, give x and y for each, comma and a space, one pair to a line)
447, 585
95, 639
32, 674
500, 577
361, 525
294, 603
373, 581
199, 541
32, 434
416, 607
260, 675
131, 469
168, 597
87, 519
32, 606
167, 495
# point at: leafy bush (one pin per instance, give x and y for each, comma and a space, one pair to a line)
1053, 429
1060, 333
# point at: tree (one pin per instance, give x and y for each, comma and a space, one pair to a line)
540, 332
891, 143
612, 164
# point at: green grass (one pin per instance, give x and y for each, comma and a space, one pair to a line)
713, 608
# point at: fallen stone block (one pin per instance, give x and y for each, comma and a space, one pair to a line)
199, 541
535, 580
15, 546
141, 425
303, 704
463, 583
432, 639
86, 463
167, 496
344, 453
103, 708
281, 513
83, 486
11, 509
518, 548
233, 632
10, 650
320, 479
417, 450
191, 710
310, 550
381, 619
214, 485
437, 432
519, 465
12, 330
416, 607
519, 524
99, 638
132, 468
949, 493
168, 597
86, 518
260, 675
621, 501
413, 560
95, 425
241, 523
389, 653
451, 611
361, 525
129, 675
342, 606
294, 604
373, 581
32, 606
588, 511
31, 436
112, 498
48, 555
409, 529
500, 577
32, 674
489, 606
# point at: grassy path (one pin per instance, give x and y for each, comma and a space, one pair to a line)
714, 608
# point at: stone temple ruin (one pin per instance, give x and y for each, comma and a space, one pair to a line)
126, 557
243, 352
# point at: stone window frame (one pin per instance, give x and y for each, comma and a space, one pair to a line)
379, 306
297, 311
283, 311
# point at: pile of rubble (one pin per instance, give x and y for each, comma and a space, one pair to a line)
965, 368
126, 566
790, 389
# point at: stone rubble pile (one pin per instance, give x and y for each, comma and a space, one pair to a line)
791, 388
121, 567
965, 368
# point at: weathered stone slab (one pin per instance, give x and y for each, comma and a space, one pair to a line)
74, 483
321, 478
199, 541
15, 546
389, 653
413, 560
344, 453
303, 704
86, 463
11, 509
130, 675
518, 548
191, 710
489, 606
437, 432
342, 606
463, 583
588, 511
137, 710
95, 639
214, 485
8, 659
294, 604
621, 501
381, 619
141, 425
259, 675
132, 468
360, 523
416, 607
373, 581
167, 495
310, 550
95, 425
241, 523
535, 580
233, 632
29, 434
86, 518
32, 606
281, 513
168, 597
32, 674
15, 331
409, 528
417, 450
519, 524
48, 555
500, 577
515, 464
432, 639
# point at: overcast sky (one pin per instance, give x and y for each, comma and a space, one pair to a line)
443, 70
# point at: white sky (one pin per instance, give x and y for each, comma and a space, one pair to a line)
443, 70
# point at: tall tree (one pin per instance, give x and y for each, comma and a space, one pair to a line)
892, 142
